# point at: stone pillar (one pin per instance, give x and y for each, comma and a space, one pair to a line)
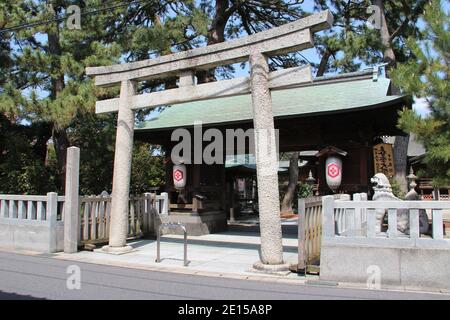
267, 168
51, 216
71, 207
122, 171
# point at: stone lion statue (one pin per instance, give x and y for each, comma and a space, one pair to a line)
383, 192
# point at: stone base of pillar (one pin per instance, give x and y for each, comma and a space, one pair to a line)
278, 269
115, 250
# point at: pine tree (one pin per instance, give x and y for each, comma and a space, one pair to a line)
350, 42
44, 92
426, 76
46, 82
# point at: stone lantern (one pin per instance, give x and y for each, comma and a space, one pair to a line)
412, 193
310, 180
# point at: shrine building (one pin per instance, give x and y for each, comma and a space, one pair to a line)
342, 117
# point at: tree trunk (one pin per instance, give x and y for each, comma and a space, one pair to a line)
400, 152
60, 143
401, 142
216, 34
286, 205
42, 132
389, 54
324, 63
59, 134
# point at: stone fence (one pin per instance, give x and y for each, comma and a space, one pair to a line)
355, 249
32, 222
54, 223
36, 223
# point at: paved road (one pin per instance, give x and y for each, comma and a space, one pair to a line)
37, 277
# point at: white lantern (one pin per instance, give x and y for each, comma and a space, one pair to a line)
179, 176
333, 172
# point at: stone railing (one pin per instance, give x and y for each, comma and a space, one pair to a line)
95, 213
343, 222
356, 220
30, 222
356, 248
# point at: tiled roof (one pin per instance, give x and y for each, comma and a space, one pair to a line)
325, 96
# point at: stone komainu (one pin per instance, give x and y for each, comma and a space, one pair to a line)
383, 192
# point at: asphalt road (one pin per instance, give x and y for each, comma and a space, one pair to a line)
38, 277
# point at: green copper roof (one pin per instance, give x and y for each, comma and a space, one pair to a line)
320, 98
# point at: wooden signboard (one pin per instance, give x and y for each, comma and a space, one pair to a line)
383, 159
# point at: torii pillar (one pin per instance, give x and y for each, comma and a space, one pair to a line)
122, 172
267, 168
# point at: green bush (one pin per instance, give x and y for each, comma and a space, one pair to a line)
396, 189
147, 168
304, 190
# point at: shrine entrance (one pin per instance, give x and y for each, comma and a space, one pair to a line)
348, 112
256, 48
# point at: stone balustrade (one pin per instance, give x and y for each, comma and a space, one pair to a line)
353, 248
29, 222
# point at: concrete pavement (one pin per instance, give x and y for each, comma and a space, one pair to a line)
43, 276
226, 252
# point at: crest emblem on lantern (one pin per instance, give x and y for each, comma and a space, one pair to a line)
179, 176
333, 170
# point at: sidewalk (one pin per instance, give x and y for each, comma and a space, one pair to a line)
229, 252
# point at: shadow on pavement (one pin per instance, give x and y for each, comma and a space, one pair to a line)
14, 296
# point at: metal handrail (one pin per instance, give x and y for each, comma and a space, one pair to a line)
158, 242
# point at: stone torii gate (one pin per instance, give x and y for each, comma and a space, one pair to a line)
256, 48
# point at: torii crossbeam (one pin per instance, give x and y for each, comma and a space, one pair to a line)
256, 48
